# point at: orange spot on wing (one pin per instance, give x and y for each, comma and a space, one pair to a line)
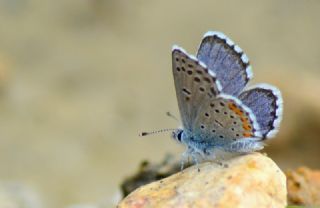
232, 106
247, 134
240, 112
246, 126
245, 120
235, 109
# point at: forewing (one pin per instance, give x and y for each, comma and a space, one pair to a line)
265, 101
225, 119
226, 60
194, 85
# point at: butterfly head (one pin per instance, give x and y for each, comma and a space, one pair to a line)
177, 134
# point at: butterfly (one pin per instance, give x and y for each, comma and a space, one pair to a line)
218, 111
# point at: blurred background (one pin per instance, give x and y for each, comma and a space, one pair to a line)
79, 80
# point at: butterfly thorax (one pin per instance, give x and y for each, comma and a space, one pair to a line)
196, 141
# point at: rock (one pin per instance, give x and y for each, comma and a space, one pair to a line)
251, 180
149, 172
303, 187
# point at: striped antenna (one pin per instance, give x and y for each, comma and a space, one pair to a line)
155, 132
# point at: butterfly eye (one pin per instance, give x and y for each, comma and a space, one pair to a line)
179, 136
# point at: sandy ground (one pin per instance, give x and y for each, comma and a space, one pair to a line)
80, 79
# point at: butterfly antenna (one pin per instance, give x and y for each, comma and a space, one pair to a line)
172, 116
155, 132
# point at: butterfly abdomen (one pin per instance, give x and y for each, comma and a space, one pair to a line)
203, 143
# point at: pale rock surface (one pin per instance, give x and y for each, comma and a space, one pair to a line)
251, 180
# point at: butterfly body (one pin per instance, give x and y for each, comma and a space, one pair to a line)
205, 145
217, 112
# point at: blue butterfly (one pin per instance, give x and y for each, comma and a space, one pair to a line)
217, 111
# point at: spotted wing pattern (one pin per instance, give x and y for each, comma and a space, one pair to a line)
226, 60
194, 85
225, 119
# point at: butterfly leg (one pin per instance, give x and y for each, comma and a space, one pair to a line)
196, 161
185, 157
207, 154
195, 157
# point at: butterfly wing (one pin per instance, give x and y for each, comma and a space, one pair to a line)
266, 103
194, 85
225, 119
226, 60
212, 109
